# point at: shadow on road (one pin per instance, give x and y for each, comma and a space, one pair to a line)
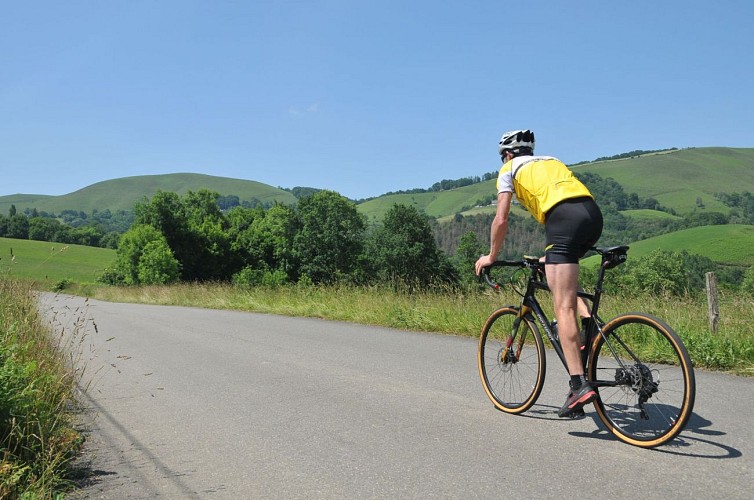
89, 472
696, 440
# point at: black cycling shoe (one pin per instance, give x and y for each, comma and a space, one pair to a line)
577, 413
574, 405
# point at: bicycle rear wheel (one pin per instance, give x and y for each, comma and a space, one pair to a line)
511, 364
645, 380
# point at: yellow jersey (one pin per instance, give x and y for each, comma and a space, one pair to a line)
540, 183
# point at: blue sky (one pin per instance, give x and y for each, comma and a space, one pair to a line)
362, 97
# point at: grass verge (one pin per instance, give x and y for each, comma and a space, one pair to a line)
38, 438
731, 348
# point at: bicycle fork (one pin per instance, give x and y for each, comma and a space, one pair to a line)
508, 356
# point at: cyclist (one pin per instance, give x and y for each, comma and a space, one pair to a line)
573, 224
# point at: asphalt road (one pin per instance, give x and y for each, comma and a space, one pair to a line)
193, 403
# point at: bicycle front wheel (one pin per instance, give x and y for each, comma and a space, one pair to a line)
645, 380
511, 363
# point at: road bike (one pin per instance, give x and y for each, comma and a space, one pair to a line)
638, 365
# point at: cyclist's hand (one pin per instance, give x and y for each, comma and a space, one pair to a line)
483, 261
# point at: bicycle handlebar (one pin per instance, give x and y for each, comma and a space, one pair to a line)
525, 262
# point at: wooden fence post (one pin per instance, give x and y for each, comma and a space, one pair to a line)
713, 312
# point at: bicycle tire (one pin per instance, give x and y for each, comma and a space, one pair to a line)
660, 373
512, 384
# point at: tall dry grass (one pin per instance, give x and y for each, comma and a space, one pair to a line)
38, 410
461, 312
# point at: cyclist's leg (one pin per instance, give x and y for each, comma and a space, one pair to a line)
583, 309
563, 280
571, 228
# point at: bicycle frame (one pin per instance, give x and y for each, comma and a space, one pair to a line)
639, 362
530, 305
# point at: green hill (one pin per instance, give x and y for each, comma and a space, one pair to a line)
726, 244
648, 215
685, 180
121, 194
50, 263
434, 204
680, 179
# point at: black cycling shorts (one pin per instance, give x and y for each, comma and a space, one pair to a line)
572, 227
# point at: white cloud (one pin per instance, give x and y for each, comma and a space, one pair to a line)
312, 108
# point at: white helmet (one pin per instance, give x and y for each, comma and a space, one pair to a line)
516, 139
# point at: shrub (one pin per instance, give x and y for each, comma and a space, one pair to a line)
145, 257
111, 276
747, 286
61, 285
157, 265
661, 272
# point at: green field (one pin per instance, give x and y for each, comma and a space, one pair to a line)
649, 215
726, 244
50, 263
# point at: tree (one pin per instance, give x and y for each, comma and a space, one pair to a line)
195, 230
240, 220
269, 240
330, 238
469, 250
44, 229
165, 213
18, 227
87, 235
143, 253
110, 240
228, 202
157, 265
302, 192
404, 250
208, 229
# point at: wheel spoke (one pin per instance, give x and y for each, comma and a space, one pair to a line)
654, 392
512, 381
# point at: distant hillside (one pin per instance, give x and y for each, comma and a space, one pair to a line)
680, 179
685, 180
434, 204
726, 244
121, 194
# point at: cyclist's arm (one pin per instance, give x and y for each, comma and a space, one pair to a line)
500, 223
497, 230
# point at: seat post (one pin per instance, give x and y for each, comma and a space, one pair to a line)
598, 285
